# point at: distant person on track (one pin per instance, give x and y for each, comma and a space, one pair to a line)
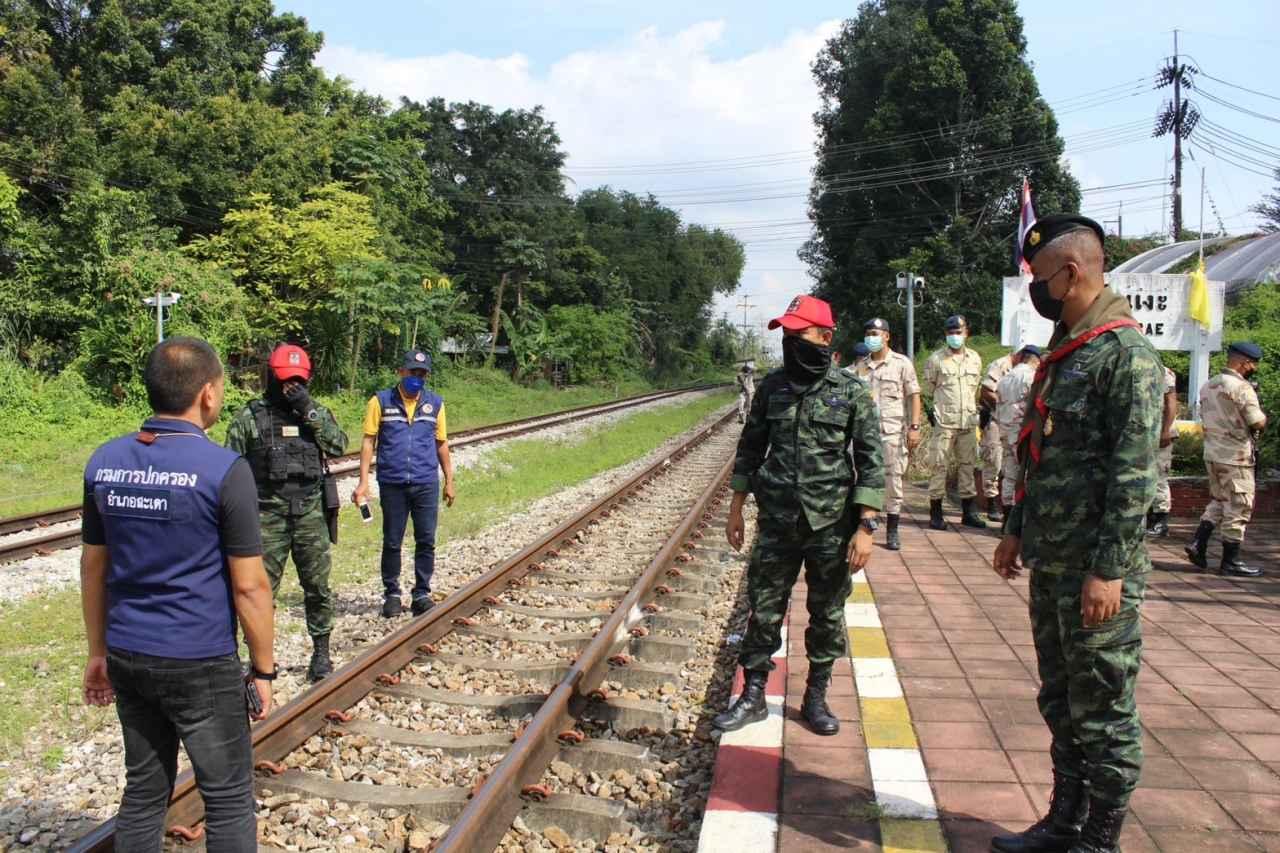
1233, 420
1088, 454
406, 425
810, 453
892, 379
746, 388
287, 436
172, 557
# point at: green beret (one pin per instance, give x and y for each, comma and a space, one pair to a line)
1050, 228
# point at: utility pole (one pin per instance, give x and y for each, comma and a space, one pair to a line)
1180, 119
160, 302
746, 326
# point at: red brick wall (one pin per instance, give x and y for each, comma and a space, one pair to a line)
1190, 494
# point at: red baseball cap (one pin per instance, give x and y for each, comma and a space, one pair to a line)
803, 312
289, 361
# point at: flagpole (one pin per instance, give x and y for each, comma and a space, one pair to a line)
1202, 169
1199, 373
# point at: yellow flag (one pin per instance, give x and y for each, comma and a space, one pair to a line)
1198, 298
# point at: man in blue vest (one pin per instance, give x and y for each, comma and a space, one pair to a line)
172, 557
406, 425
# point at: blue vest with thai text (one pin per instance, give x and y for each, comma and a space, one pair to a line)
407, 450
168, 585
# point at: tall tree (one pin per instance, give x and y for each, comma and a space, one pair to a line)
930, 118
1269, 208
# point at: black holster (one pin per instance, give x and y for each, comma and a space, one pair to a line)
331, 505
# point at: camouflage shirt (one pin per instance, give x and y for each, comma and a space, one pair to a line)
243, 434
1085, 503
814, 449
1230, 411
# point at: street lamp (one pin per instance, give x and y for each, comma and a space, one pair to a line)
160, 302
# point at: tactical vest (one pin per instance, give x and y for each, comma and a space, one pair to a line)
286, 458
168, 586
407, 451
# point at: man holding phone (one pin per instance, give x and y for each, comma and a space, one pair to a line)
172, 556
405, 424
287, 436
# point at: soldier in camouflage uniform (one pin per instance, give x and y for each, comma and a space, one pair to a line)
1232, 420
1158, 518
1088, 477
810, 453
286, 437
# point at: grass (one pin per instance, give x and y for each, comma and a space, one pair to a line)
43, 452
44, 634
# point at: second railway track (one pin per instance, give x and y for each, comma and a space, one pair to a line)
14, 547
540, 690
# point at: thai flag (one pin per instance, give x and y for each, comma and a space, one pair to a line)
1025, 222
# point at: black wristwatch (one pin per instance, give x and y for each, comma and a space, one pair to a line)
870, 524
265, 676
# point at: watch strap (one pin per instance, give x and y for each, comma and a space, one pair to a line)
265, 676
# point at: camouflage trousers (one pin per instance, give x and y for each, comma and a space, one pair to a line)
991, 452
1231, 489
1164, 464
306, 537
1087, 682
948, 447
776, 557
744, 405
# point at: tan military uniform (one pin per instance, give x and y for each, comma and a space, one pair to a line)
990, 446
893, 383
1230, 410
952, 380
1013, 394
1164, 457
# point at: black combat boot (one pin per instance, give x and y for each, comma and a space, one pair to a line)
891, 532
813, 708
993, 511
1101, 832
1232, 565
969, 516
750, 707
935, 515
1057, 830
1158, 524
1196, 547
321, 667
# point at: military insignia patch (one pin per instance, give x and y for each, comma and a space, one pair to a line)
1034, 238
795, 303
294, 358
427, 408
419, 357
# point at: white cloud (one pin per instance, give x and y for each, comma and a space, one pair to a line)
657, 98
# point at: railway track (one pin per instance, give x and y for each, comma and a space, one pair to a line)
345, 466
554, 665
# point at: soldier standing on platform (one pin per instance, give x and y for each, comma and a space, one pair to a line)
951, 376
1087, 451
810, 453
1011, 410
1232, 421
892, 379
286, 436
991, 445
1158, 518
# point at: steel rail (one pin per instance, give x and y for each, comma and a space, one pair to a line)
343, 466
291, 724
488, 815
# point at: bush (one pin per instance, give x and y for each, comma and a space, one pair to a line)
597, 344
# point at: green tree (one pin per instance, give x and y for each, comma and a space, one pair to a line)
930, 118
1269, 208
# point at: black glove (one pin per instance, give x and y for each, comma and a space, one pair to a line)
300, 400
984, 417
933, 419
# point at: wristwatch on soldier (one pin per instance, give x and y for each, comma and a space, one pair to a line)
265, 676
913, 428
870, 524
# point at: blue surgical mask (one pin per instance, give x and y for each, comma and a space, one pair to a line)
955, 341
413, 385
873, 342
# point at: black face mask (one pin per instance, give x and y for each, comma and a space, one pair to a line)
1046, 306
275, 392
804, 362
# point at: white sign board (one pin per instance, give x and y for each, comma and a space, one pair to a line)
1159, 303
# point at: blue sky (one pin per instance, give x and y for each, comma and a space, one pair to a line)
640, 89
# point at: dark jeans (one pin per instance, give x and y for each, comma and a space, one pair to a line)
399, 502
200, 702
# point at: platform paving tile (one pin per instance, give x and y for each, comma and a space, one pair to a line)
959, 641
